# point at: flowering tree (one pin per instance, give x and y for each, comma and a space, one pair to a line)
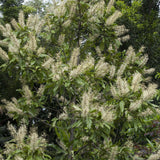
91, 101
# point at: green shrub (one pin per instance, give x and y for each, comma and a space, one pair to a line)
92, 101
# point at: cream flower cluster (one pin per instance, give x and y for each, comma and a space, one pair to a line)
34, 142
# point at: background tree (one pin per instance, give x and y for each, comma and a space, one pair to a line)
8, 85
10, 9
142, 20
36, 7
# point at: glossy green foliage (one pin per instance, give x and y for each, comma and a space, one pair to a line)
89, 98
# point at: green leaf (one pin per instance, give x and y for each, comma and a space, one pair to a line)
122, 105
80, 81
67, 84
54, 120
106, 125
89, 122
136, 126
55, 89
151, 144
76, 124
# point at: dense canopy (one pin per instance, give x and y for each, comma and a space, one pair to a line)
76, 82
